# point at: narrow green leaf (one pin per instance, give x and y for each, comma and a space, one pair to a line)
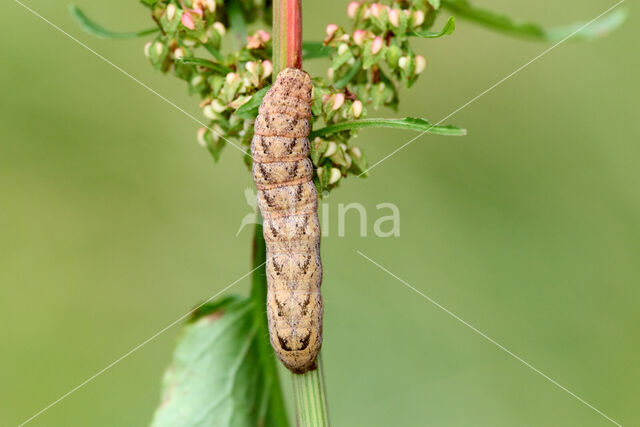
97, 30
448, 28
406, 123
599, 28
503, 23
149, 3
215, 66
312, 50
249, 110
217, 376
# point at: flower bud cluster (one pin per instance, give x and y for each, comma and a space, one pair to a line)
224, 82
368, 64
376, 56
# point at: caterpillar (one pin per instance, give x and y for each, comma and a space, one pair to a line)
288, 201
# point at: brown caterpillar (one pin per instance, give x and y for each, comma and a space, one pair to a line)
288, 201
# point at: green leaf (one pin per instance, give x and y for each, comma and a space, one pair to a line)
503, 23
249, 110
448, 29
215, 66
312, 50
97, 30
217, 377
406, 123
149, 3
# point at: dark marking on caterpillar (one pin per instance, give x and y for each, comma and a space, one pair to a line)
288, 202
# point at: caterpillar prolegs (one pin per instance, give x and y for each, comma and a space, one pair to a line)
288, 201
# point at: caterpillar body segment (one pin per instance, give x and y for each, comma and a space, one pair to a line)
288, 201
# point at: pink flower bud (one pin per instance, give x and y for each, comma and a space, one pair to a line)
325, 97
231, 78
376, 45
359, 36
352, 9
251, 66
187, 21
417, 18
394, 17
264, 36
376, 8
197, 11
254, 42
331, 30
338, 100
267, 68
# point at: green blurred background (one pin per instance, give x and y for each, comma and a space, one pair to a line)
114, 222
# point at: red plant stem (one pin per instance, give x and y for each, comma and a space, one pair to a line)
294, 33
287, 34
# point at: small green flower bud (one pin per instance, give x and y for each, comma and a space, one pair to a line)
201, 137
147, 46
159, 48
421, 64
335, 175
355, 152
219, 27
218, 106
209, 113
403, 62
356, 108
171, 11
332, 147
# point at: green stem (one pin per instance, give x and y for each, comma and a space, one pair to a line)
311, 400
309, 395
259, 298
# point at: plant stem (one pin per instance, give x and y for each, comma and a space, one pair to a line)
310, 397
309, 390
287, 35
259, 298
